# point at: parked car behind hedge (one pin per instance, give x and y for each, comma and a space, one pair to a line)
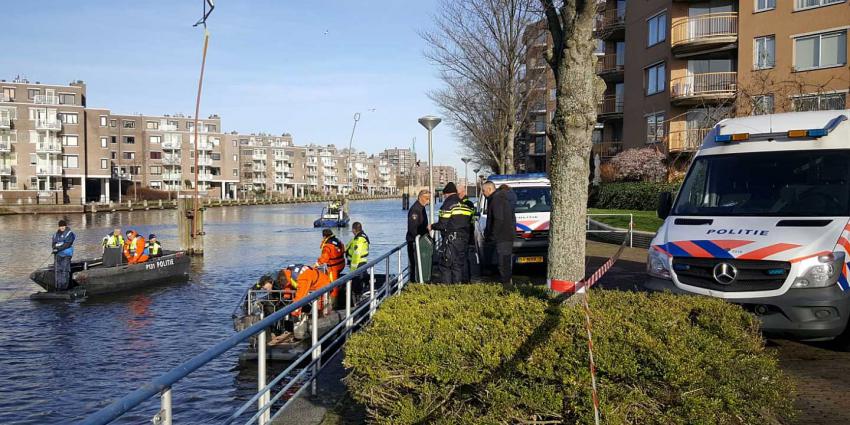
472, 355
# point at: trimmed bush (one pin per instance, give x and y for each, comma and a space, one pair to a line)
470, 354
628, 196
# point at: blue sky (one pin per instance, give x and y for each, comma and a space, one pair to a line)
303, 67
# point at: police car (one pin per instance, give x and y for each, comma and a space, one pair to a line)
532, 208
761, 220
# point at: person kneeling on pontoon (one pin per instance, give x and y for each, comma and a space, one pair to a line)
305, 279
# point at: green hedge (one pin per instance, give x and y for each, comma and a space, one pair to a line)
472, 355
628, 196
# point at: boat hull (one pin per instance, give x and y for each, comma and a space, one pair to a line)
326, 222
104, 280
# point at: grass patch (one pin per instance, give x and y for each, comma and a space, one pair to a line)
646, 221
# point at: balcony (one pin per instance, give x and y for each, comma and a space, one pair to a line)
205, 177
6, 145
52, 146
205, 146
5, 123
258, 180
49, 125
611, 24
164, 126
5, 170
258, 156
610, 66
685, 139
709, 87
48, 170
281, 179
172, 177
537, 127
205, 161
5, 98
171, 145
607, 149
172, 160
704, 33
257, 168
611, 107
44, 99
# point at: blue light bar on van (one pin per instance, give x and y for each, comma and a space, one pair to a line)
728, 138
528, 176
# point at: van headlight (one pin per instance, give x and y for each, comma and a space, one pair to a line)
657, 264
822, 273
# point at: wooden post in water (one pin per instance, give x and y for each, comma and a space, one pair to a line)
192, 244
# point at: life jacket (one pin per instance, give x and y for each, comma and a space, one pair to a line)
153, 248
146, 251
357, 250
60, 239
336, 257
112, 241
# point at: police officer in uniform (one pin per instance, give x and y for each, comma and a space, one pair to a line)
454, 222
417, 225
470, 253
357, 251
63, 249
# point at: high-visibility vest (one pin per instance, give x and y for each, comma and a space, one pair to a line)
153, 248
112, 241
336, 257
357, 250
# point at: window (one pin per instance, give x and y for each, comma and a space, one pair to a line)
103, 120
33, 159
763, 104
808, 4
129, 155
657, 29
235, 172
762, 5
235, 157
156, 169
215, 156
129, 140
32, 93
104, 163
9, 93
114, 139
68, 118
70, 141
820, 51
655, 128
155, 139
128, 124
67, 99
113, 123
156, 185
156, 155
211, 128
173, 123
113, 155
70, 161
820, 102
655, 77
764, 52
152, 125
104, 141
190, 125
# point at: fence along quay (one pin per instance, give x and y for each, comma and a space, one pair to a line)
264, 399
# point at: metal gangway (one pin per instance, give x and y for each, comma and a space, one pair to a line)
265, 398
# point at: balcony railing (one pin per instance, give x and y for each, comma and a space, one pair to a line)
5, 98
5, 146
538, 127
258, 168
704, 29
165, 126
52, 125
607, 149
44, 99
171, 176
204, 161
50, 146
5, 122
171, 160
48, 170
258, 157
610, 105
5, 170
171, 145
205, 176
205, 146
610, 20
687, 140
259, 180
610, 64
711, 85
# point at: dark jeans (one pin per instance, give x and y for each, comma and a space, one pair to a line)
505, 260
453, 263
411, 260
62, 272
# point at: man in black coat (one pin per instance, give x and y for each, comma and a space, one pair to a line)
417, 225
501, 229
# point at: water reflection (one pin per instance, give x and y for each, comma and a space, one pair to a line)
62, 360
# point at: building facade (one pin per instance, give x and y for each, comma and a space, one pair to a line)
673, 68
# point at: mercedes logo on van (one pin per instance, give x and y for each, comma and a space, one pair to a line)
725, 273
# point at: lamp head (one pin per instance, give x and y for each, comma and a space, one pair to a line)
429, 121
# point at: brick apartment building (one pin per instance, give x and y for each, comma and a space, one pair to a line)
673, 68
55, 149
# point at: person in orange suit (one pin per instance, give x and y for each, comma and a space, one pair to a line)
305, 279
333, 254
135, 249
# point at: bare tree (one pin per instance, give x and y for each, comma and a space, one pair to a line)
578, 91
479, 48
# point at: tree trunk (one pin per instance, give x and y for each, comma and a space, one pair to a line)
578, 90
510, 134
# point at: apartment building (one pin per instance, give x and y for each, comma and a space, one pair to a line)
402, 159
266, 162
442, 175
42, 140
673, 68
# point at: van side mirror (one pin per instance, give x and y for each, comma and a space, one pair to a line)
665, 204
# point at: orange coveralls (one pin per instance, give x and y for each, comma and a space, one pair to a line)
137, 255
309, 280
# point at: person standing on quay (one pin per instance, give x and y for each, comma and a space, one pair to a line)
501, 230
417, 225
454, 222
63, 250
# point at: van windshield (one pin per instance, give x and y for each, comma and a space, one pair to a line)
532, 199
792, 183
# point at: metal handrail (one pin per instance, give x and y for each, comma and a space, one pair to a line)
162, 384
630, 231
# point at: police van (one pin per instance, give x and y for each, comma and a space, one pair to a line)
532, 207
761, 220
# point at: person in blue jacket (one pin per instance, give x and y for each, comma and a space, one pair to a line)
63, 249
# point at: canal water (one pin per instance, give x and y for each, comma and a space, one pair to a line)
61, 361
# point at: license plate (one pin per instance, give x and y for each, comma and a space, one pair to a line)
525, 260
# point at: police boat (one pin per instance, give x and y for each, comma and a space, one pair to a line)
335, 215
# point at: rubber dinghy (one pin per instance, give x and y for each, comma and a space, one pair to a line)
91, 277
332, 218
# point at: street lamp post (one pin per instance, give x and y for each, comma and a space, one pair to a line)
465, 173
350, 140
476, 170
429, 122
